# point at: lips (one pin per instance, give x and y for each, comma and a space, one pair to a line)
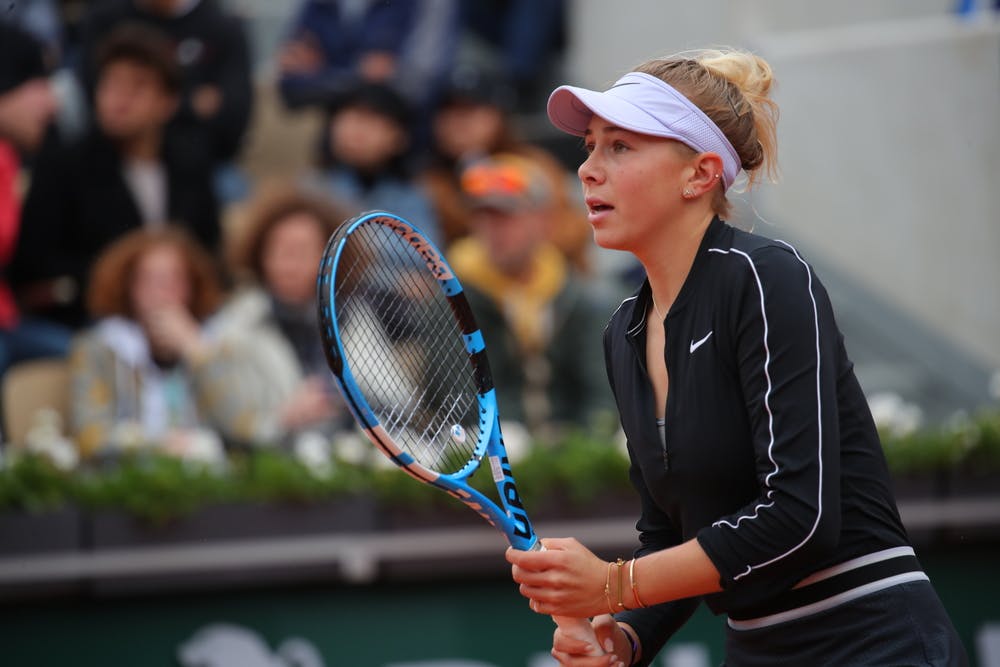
595, 205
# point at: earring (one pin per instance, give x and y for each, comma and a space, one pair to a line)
687, 193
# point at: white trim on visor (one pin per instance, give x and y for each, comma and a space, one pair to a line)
645, 104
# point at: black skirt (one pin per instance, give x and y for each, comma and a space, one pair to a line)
904, 625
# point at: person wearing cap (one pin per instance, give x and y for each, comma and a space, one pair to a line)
541, 325
763, 486
473, 120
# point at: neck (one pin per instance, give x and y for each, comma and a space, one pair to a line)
145, 146
670, 258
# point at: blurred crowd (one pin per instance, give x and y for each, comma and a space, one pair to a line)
189, 330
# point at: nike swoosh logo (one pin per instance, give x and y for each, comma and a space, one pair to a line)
696, 344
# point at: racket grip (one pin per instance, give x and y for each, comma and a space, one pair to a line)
577, 628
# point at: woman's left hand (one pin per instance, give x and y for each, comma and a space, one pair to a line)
566, 579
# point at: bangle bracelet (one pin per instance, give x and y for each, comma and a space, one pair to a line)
620, 605
607, 589
621, 584
615, 607
634, 585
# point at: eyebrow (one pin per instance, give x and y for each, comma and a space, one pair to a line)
607, 129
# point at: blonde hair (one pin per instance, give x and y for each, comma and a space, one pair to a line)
732, 87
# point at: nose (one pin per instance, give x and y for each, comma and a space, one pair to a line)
589, 170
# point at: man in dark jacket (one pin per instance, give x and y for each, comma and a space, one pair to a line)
121, 175
211, 50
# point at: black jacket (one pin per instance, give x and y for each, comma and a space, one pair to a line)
771, 458
79, 202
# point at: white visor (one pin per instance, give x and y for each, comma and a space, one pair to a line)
642, 103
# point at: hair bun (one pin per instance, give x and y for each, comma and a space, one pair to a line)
750, 73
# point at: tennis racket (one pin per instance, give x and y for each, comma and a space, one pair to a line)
402, 342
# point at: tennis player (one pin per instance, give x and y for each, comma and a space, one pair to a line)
763, 484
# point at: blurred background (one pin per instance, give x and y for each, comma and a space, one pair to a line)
180, 483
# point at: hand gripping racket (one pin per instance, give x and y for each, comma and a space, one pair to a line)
411, 362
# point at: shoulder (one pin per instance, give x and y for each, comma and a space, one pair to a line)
247, 309
75, 151
756, 257
112, 336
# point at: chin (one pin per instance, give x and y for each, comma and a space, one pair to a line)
608, 240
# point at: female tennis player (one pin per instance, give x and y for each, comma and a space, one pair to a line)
763, 484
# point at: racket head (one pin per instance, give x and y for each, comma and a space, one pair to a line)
404, 347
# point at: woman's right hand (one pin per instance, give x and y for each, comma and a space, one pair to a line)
173, 332
570, 651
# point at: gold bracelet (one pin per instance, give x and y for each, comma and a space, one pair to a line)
614, 607
607, 589
634, 585
621, 584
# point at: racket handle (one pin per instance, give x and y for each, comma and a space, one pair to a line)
577, 628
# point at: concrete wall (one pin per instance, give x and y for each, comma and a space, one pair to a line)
889, 137
890, 152
607, 38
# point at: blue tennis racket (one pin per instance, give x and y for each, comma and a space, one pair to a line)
411, 362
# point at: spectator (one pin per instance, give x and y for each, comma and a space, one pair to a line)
527, 301
209, 46
368, 158
41, 20
473, 121
278, 251
335, 44
120, 176
152, 372
27, 104
521, 39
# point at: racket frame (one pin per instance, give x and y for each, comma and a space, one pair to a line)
509, 516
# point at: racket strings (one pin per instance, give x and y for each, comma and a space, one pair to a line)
404, 345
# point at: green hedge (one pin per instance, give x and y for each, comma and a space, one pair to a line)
578, 469
969, 444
